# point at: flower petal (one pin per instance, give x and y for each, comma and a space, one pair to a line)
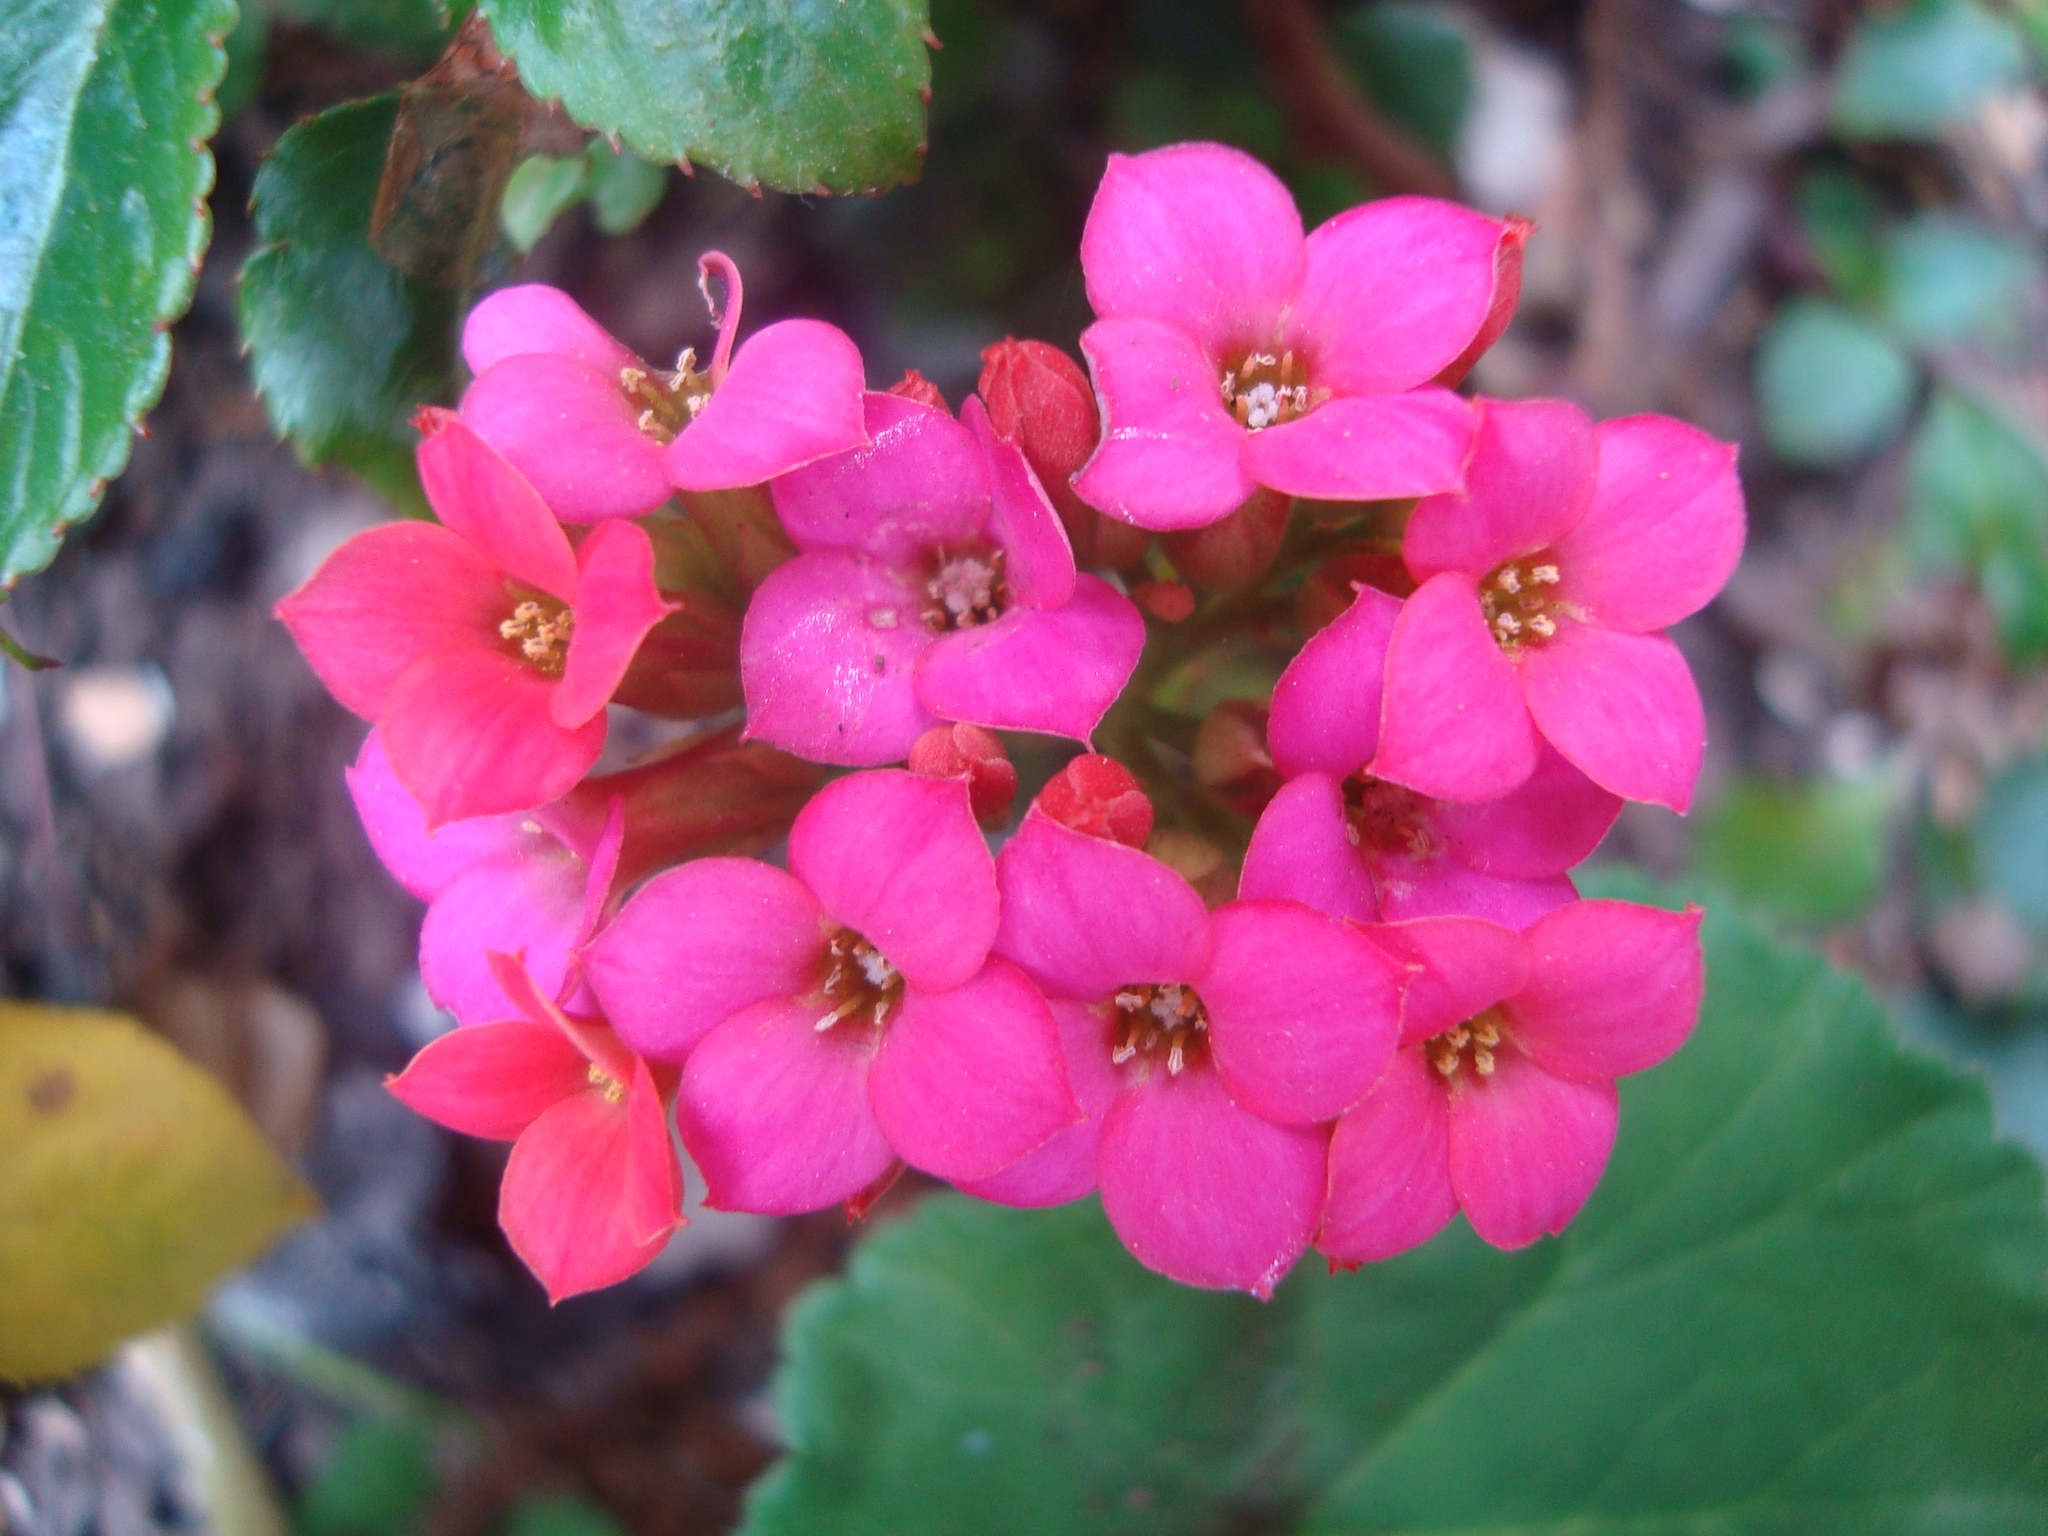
1205, 1192
1527, 485
1198, 234
1390, 1167
1326, 706
1442, 887
919, 484
1084, 915
1392, 292
827, 658
1367, 447
1664, 529
529, 904
1304, 1010
1527, 1148
1040, 564
792, 396
1063, 1168
1615, 988
427, 863
698, 943
1453, 725
492, 1080
897, 858
1623, 708
1051, 670
616, 604
775, 1114
532, 317
1301, 850
1170, 455
1464, 965
568, 428
1556, 819
475, 491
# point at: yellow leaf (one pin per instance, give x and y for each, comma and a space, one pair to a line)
129, 1182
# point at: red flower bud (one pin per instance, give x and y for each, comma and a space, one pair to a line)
1235, 551
1231, 760
1167, 600
1331, 587
955, 751
915, 386
1099, 796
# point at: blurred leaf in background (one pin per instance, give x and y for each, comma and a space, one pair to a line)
1947, 279
377, 1480
1810, 852
1414, 64
1840, 218
541, 189
407, 31
1978, 500
622, 189
1913, 71
1831, 385
2011, 841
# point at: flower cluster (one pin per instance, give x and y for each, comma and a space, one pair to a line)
1282, 950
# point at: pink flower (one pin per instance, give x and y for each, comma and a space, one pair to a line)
600, 434
844, 1014
487, 648
1205, 1047
1369, 850
1501, 1100
593, 1187
1232, 352
1544, 592
935, 583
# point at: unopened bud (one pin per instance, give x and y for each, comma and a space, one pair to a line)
969, 752
688, 666
1231, 760
1234, 551
743, 533
1101, 797
915, 386
1333, 586
1196, 860
1165, 600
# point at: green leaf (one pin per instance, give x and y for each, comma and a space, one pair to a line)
798, 94
1414, 64
1839, 217
105, 110
559, 1514
623, 188
1812, 852
1948, 279
410, 31
131, 1182
1810, 1298
2011, 831
1911, 72
539, 190
377, 1481
344, 346
1832, 386
1979, 498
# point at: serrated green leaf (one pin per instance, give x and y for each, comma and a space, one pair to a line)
1811, 852
1810, 1298
131, 1181
344, 346
1948, 279
796, 94
105, 110
539, 189
1831, 385
623, 189
1911, 72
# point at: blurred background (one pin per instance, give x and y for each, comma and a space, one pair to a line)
1815, 229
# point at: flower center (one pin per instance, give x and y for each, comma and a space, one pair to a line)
859, 981
1471, 1043
1518, 598
1387, 818
1265, 390
1154, 1021
668, 402
967, 590
612, 1089
540, 628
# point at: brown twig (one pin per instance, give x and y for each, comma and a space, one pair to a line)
1325, 109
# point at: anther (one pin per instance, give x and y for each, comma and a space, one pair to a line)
1542, 624
1508, 624
1544, 575
1509, 580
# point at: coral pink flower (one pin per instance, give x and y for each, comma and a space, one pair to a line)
844, 1014
1204, 1046
600, 434
935, 583
1501, 1100
1544, 593
1233, 352
1363, 848
485, 649
593, 1187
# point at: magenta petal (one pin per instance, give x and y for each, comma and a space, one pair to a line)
1392, 292
1063, 1168
897, 858
1085, 916
1301, 850
387, 598
470, 734
492, 1080
475, 491
1304, 1010
1390, 1167
616, 604
427, 863
1551, 823
828, 654
969, 1080
775, 1114
1051, 670
1040, 568
791, 397
1443, 887
1466, 965
1170, 455
530, 905
920, 484
1326, 706
1664, 529
698, 943
570, 431
1197, 234
1367, 447
1453, 724
532, 317
1527, 485
1204, 1191
1622, 707
1527, 1148
1615, 988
